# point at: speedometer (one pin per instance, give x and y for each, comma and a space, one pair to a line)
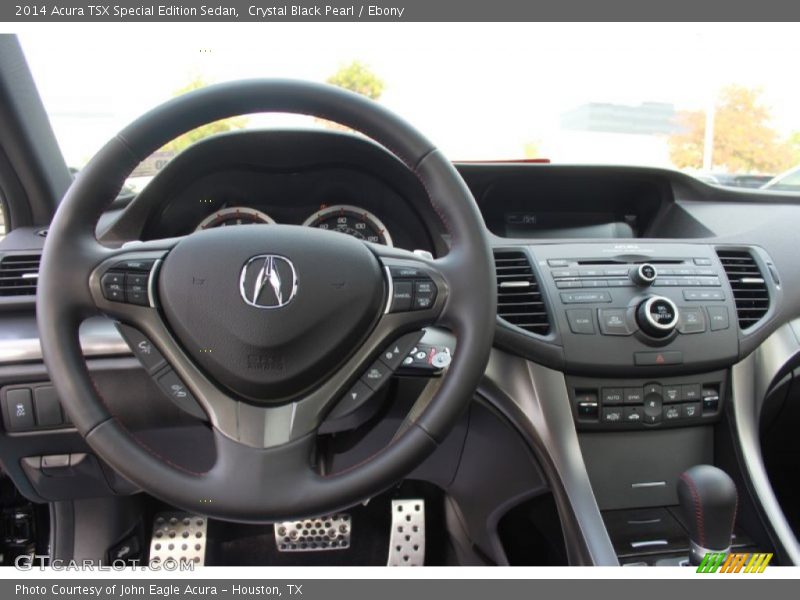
351, 220
235, 215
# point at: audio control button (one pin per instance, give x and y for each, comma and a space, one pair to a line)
657, 316
613, 322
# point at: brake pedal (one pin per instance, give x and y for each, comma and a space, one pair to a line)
180, 537
331, 532
407, 538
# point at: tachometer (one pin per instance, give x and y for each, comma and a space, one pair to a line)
235, 215
351, 220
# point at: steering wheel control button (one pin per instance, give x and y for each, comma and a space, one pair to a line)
643, 275
657, 316
174, 388
135, 265
613, 321
657, 359
142, 348
692, 320
18, 409
355, 397
718, 316
581, 321
403, 272
395, 354
113, 285
402, 296
376, 375
424, 294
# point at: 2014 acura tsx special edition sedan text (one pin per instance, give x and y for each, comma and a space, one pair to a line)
308, 346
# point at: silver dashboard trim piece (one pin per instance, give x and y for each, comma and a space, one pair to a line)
95, 341
649, 484
751, 380
540, 394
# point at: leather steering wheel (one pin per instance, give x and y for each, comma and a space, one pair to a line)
275, 365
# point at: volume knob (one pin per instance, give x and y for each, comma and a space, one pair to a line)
657, 316
644, 275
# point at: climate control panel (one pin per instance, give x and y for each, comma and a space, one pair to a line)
609, 404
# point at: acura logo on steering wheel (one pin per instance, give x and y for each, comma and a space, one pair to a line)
268, 281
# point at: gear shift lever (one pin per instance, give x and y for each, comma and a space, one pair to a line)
708, 500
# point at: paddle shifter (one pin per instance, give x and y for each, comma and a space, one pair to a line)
708, 500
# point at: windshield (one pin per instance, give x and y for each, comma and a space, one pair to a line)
720, 101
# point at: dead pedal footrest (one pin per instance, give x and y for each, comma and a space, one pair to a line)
407, 538
180, 537
331, 532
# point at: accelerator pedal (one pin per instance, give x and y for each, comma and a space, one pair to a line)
407, 538
179, 537
331, 532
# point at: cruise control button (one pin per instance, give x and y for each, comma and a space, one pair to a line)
718, 315
580, 321
402, 293
424, 294
613, 321
377, 374
405, 272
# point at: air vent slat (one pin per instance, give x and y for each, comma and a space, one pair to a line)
750, 291
18, 274
519, 299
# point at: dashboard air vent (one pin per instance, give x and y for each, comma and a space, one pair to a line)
19, 274
750, 291
519, 299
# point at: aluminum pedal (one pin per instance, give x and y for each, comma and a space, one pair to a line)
407, 538
180, 537
331, 532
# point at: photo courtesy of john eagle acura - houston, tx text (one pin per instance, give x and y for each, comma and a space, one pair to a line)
397, 294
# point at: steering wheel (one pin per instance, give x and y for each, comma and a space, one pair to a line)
266, 325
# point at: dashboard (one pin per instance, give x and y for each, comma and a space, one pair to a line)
627, 295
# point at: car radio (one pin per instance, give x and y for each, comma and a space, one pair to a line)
630, 309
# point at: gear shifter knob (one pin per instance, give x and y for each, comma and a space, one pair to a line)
708, 500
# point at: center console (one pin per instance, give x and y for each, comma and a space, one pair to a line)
648, 333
